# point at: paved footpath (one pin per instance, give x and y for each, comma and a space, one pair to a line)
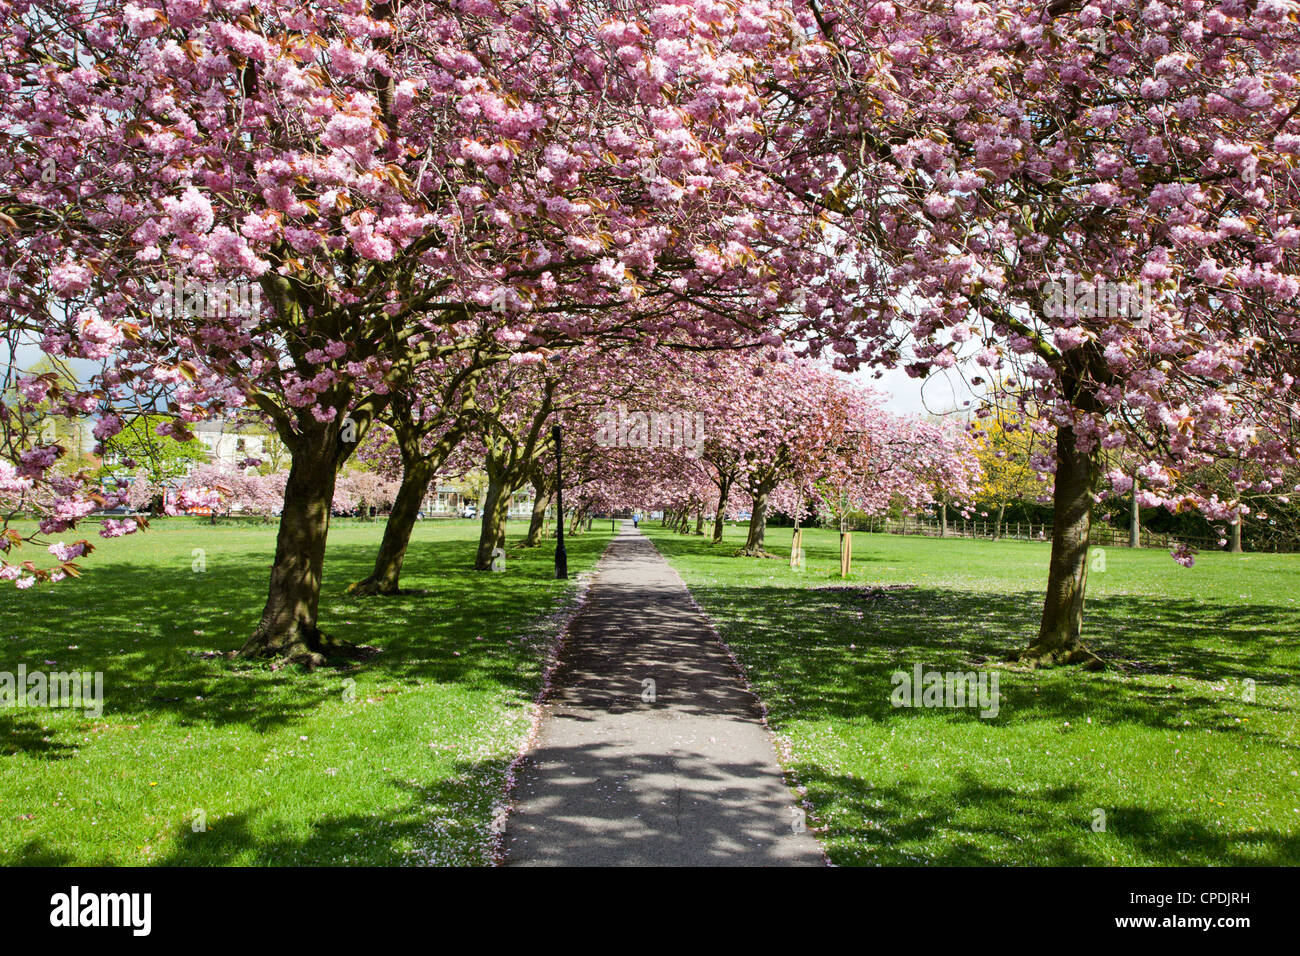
690, 779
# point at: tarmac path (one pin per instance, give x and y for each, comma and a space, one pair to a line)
678, 772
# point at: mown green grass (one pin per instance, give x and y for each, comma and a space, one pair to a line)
1186, 769
399, 760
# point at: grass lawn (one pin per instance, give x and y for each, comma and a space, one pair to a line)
1186, 769
400, 760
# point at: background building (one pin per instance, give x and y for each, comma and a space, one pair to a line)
229, 444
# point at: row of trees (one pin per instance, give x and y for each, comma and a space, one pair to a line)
709, 433
389, 210
220, 489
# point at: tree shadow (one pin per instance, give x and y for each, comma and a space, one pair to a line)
1219, 676
22, 733
159, 635
415, 832
970, 822
598, 804
836, 652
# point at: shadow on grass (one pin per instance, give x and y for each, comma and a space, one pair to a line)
821, 652
971, 823
836, 651
1139, 634
23, 733
369, 836
147, 628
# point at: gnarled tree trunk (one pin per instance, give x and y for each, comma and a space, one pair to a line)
724, 491
386, 576
757, 524
287, 628
496, 503
541, 501
1059, 632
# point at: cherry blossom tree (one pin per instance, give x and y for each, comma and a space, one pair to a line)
295, 207
899, 460
224, 490
776, 431
358, 490
772, 419
516, 406
143, 492
37, 475
426, 420
1095, 202
1089, 207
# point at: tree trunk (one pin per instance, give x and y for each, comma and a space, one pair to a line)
1134, 519
1234, 539
1059, 633
541, 501
943, 520
385, 577
699, 521
721, 514
757, 525
492, 528
997, 525
288, 628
